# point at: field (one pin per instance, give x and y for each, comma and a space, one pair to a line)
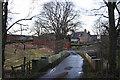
15, 53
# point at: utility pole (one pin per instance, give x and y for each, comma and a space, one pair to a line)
1, 66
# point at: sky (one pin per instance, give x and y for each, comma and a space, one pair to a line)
28, 8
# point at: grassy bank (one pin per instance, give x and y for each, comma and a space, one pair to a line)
15, 56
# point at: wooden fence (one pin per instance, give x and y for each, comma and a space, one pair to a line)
25, 67
37, 64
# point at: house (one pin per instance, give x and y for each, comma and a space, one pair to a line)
82, 36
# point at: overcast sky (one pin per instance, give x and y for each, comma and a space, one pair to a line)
24, 7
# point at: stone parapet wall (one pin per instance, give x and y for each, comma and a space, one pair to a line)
38, 64
95, 62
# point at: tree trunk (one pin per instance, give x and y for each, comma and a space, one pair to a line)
4, 34
112, 39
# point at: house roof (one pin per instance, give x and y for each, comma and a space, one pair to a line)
25, 38
78, 34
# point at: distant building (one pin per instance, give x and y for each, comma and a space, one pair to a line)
31, 39
13, 38
82, 36
93, 37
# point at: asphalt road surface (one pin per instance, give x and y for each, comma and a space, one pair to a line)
70, 67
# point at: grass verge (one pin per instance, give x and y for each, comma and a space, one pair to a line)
79, 44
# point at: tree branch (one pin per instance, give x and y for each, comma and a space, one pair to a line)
118, 2
102, 15
107, 28
105, 2
71, 18
119, 15
117, 10
22, 24
14, 31
18, 21
118, 22
98, 8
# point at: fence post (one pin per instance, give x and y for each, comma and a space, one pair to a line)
29, 66
13, 71
24, 63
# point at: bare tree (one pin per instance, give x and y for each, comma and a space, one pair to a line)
5, 29
59, 18
113, 30
112, 37
100, 27
38, 29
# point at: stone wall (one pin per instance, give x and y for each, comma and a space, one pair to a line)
43, 62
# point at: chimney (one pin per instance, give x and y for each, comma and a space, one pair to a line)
85, 30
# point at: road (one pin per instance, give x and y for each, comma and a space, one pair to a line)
70, 67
